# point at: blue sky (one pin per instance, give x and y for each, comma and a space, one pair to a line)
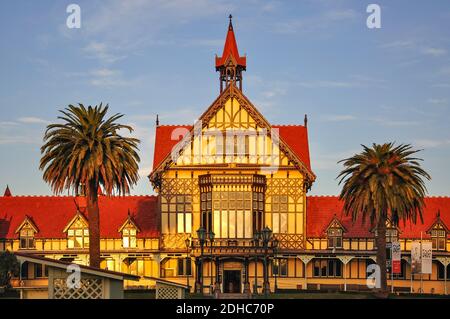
357, 85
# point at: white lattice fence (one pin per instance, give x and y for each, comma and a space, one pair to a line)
89, 289
168, 291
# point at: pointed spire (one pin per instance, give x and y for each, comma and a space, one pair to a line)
7, 192
231, 49
305, 121
157, 119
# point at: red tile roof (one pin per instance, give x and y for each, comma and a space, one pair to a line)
296, 136
166, 138
321, 210
230, 49
51, 214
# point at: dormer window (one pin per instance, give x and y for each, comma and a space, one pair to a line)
334, 234
27, 238
438, 238
334, 238
77, 233
129, 231
129, 237
27, 231
391, 232
438, 232
391, 235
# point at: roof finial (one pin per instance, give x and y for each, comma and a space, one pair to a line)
306, 120
230, 26
157, 120
7, 192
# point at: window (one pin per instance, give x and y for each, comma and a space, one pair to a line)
280, 267
327, 268
38, 271
334, 237
439, 239
441, 273
231, 214
184, 267
129, 236
176, 214
27, 237
78, 235
206, 214
280, 214
136, 267
258, 211
24, 270
391, 235
241, 144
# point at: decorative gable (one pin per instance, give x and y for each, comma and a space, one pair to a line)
129, 223
335, 224
232, 111
78, 221
27, 225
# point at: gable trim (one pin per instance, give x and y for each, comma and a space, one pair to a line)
77, 215
231, 92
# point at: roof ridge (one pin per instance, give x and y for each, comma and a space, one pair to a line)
288, 125
73, 196
439, 196
323, 196
172, 125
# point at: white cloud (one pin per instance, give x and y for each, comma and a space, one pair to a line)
435, 52
402, 44
32, 120
395, 123
429, 143
102, 51
314, 23
442, 85
104, 72
328, 84
437, 101
339, 118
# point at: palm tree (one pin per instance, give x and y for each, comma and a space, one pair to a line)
383, 182
85, 152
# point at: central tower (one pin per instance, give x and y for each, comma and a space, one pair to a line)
230, 64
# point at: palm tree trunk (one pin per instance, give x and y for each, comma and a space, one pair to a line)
94, 225
381, 253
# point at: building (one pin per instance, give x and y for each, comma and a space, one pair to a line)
231, 214
94, 283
